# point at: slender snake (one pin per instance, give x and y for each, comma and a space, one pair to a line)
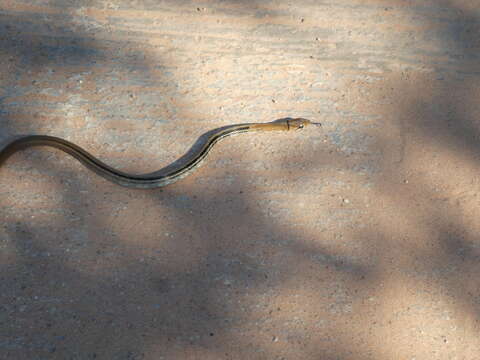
170, 174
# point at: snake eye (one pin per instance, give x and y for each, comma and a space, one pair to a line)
300, 126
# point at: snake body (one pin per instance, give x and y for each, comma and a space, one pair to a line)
164, 177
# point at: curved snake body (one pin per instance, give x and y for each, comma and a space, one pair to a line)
159, 178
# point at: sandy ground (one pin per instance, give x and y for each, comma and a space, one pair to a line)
357, 241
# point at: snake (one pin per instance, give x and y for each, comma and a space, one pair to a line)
166, 176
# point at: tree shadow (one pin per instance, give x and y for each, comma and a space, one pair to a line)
93, 285
433, 186
183, 272
203, 303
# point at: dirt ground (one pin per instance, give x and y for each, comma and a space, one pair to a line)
355, 241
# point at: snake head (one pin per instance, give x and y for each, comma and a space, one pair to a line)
300, 123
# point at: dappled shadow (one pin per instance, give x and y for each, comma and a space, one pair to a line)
214, 266
429, 193
149, 295
121, 281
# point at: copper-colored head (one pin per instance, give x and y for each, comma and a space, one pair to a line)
300, 123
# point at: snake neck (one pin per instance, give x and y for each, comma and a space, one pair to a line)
271, 126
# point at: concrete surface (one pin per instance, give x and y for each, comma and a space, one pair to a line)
359, 241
